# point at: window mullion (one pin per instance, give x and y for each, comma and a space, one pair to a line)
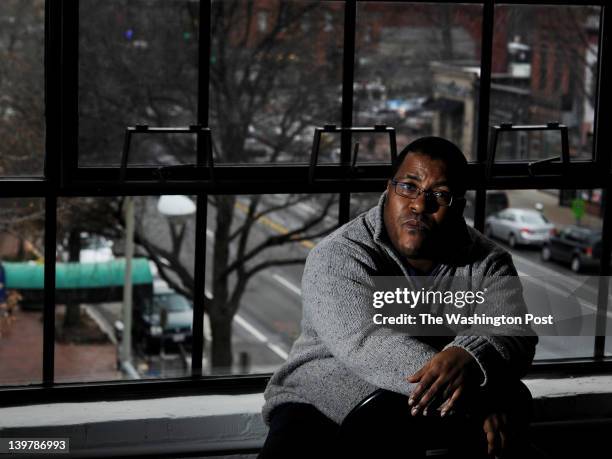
49, 286
484, 99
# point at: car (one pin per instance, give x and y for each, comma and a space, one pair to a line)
165, 319
519, 227
95, 249
577, 245
496, 200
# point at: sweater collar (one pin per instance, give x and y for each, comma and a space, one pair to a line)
377, 220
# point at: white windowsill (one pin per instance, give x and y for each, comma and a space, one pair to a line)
217, 422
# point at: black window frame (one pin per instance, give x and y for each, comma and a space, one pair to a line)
63, 178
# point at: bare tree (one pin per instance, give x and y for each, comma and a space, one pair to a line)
21, 87
275, 73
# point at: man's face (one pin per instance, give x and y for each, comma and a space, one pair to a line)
414, 225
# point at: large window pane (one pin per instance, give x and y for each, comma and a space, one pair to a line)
416, 69
138, 64
22, 123
545, 62
276, 73
93, 339
257, 246
554, 237
21, 328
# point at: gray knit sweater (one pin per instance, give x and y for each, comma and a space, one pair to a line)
340, 356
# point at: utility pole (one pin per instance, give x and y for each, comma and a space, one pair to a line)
126, 341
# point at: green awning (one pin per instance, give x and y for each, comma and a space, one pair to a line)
25, 275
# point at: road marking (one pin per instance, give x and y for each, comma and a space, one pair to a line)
564, 277
278, 351
311, 210
564, 294
101, 321
260, 336
252, 330
306, 208
289, 285
255, 332
278, 227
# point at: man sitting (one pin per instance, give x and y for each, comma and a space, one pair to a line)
417, 229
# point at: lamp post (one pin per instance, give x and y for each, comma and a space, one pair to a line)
177, 209
126, 338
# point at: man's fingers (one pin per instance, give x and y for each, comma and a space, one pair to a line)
415, 377
503, 440
498, 437
428, 397
450, 403
489, 431
426, 380
490, 442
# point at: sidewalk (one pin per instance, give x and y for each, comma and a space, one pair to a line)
21, 355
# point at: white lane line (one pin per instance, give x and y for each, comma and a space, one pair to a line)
563, 293
306, 208
278, 351
256, 333
289, 285
260, 336
252, 330
309, 209
101, 321
550, 272
555, 274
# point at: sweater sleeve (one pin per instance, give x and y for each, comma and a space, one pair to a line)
507, 353
337, 292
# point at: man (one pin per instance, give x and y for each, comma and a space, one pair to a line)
417, 229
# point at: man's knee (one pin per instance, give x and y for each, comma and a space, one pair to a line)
298, 430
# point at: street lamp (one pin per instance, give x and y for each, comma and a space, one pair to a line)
177, 209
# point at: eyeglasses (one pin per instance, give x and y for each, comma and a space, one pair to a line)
410, 191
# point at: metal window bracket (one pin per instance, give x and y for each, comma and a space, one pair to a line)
533, 165
333, 129
163, 172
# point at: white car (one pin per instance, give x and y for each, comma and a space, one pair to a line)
519, 227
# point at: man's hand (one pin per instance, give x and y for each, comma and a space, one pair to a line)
496, 429
446, 375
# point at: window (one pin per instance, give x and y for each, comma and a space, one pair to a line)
557, 265
542, 68
21, 279
225, 252
98, 331
416, 69
22, 124
258, 273
137, 65
269, 90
